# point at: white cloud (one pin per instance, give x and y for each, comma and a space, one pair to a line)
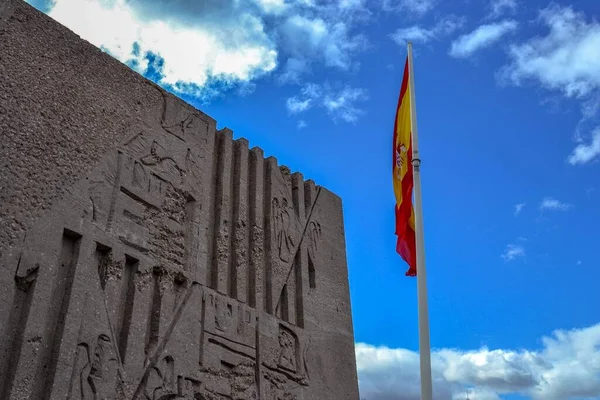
586, 152
590, 107
512, 252
415, 33
480, 38
296, 105
352, 4
272, 6
219, 44
476, 394
301, 124
519, 208
308, 96
416, 8
192, 55
566, 59
305, 38
293, 70
339, 103
550, 203
320, 32
566, 367
449, 24
501, 7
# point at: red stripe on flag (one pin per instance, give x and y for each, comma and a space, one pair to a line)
406, 234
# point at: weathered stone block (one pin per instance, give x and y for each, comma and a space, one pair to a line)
146, 255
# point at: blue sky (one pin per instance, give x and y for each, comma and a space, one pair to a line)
508, 104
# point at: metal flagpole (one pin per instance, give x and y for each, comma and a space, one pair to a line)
424, 343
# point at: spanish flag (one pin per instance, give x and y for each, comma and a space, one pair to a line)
403, 176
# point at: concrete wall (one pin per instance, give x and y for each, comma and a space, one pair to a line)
146, 255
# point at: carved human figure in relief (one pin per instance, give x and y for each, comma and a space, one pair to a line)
282, 224
98, 188
168, 167
152, 163
184, 128
162, 384
193, 167
179, 121
223, 315
190, 389
161, 380
287, 350
314, 235
98, 377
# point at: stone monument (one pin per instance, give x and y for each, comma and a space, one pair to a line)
145, 254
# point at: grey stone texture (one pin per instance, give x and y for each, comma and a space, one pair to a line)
145, 254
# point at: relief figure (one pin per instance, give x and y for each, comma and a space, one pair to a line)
167, 166
282, 223
98, 377
162, 384
99, 190
179, 121
287, 349
314, 235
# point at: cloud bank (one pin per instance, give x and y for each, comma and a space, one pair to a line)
191, 52
566, 59
201, 48
566, 367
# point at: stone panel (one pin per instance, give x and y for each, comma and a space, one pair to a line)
144, 254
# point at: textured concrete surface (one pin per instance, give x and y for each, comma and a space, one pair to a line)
146, 255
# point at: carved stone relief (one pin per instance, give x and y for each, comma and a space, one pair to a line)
313, 234
167, 167
193, 169
95, 375
128, 315
223, 314
162, 384
231, 381
288, 343
282, 223
178, 120
149, 209
99, 197
278, 387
